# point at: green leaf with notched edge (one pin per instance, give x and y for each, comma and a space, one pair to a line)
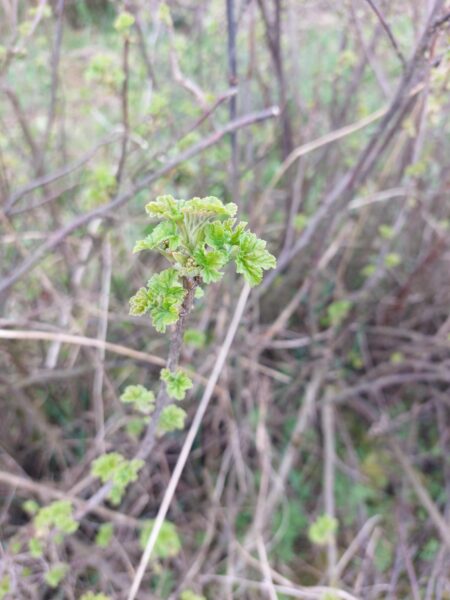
124, 22
143, 400
140, 303
56, 574
104, 535
209, 263
164, 234
168, 543
172, 418
165, 207
323, 530
218, 235
164, 314
57, 515
177, 383
163, 298
209, 207
166, 286
338, 311
115, 468
252, 258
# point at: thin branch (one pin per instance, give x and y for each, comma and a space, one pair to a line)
388, 31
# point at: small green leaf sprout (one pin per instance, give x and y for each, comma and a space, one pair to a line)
177, 383
124, 22
115, 468
141, 399
172, 418
322, 530
56, 574
168, 543
58, 515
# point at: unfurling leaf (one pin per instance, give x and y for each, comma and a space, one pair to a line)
143, 400
177, 383
322, 530
172, 418
252, 258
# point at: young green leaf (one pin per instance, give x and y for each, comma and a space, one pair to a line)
124, 22
56, 574
252, 258
168, 543
143, 400
57, 515
140, 303
165, 207
322, 530
164, 234
218, 235
172, 418
209, 207
36, 548
164, 314
337, 311
104, 535
115, 468
209, 263
177, 383
194, 337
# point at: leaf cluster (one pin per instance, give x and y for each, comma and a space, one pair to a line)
57, 515
117, 469
198, 237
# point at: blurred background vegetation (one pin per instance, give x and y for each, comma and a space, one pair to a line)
322, 468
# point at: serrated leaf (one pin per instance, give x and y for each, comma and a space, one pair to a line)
163, 315
209, 263
106, 465
209, 206
165, 233
177, 383
252, 258
322, 530
172, 418
218, 235
140, 303
166, 286
115, 468
165, 207
143, 400
57, 515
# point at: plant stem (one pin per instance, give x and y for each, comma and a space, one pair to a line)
176, 343
162, 399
